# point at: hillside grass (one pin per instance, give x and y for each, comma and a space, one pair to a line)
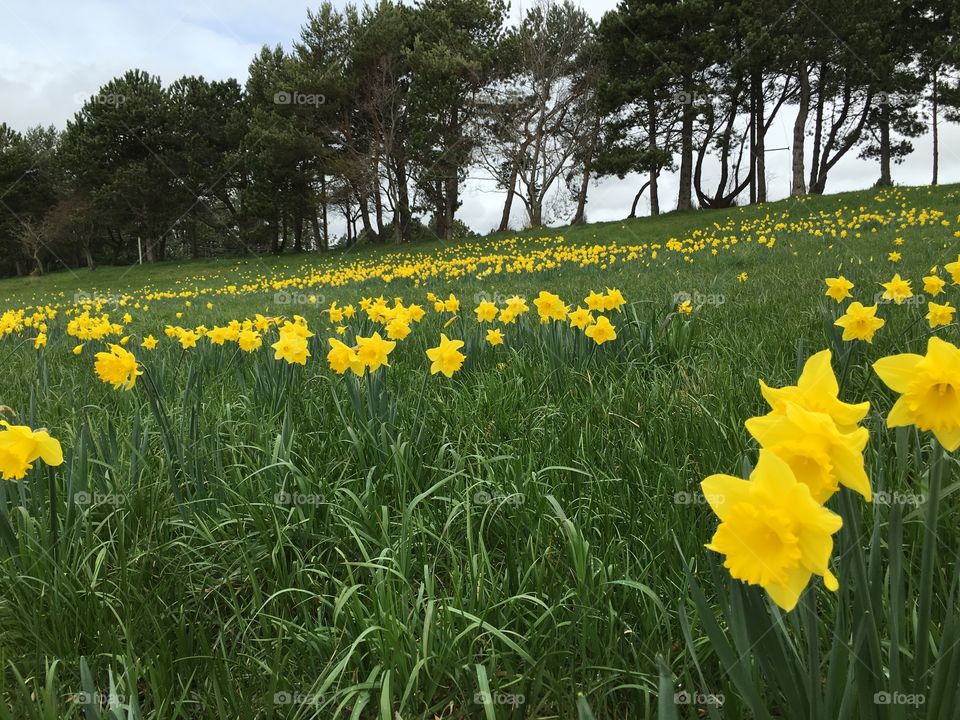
521, 528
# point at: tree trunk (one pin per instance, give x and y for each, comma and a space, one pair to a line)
797, 185
298, 232
886, 179
580, 217
508, 203
403, 217
761, 145
816, 187
451, 201
935, 129
654, 168
684, 198
323, 210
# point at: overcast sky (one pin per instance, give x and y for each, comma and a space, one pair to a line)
56, 53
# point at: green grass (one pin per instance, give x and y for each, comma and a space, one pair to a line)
520, 529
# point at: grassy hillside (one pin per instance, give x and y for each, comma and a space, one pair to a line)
237, 536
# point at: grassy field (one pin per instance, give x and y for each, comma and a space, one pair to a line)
240, 537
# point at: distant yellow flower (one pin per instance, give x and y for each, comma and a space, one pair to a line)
398, 329
838, 288
40, 341
495, 337
894, 257
743, 277
451, 304
149, 342
550, 306
342, 358
929, 389
373, 351
860, 322
933, 285
249, 340
595, 301
188, 339
486, 311
954, 270
78, 349
938, 315
292, 348
772, 532
613, 300
581, 318
601, 331
117, 367
446, 357
897, 289
20, 447
685, 308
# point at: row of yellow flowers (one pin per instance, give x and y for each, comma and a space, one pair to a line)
860, 322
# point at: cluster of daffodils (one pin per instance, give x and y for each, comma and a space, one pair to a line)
860, 322
774, 529
21, 447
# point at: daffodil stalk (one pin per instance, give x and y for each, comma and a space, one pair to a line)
929, 555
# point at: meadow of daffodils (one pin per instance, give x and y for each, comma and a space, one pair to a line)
697, 466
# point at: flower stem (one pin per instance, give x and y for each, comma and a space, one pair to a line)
928, 559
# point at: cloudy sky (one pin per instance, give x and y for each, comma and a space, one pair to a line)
56, 53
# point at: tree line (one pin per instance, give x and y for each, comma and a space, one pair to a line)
376, 117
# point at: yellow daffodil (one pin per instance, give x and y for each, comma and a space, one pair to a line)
495, 337
486, 311
20, 447
601, 331
249, 340
373, 351
929, 389
149, 342
938, 315
343, 357
897, 289
772, 532
817, 390
118, 367
446, 358
821, 456
838, 288
860, 322
292, 348
933, 285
